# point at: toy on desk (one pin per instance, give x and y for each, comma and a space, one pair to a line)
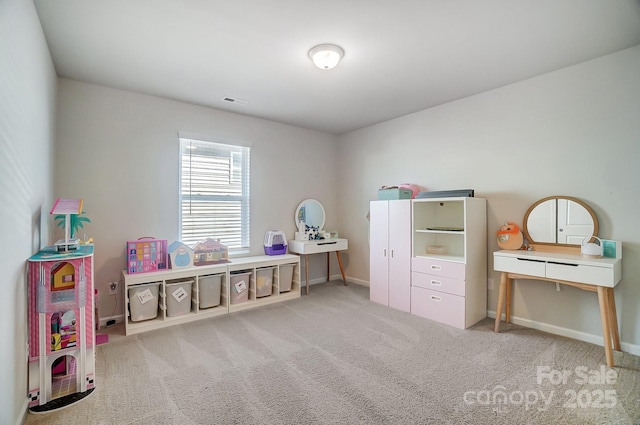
510, 237
591, 249
68, 213
275, 242
180, 255
210, 251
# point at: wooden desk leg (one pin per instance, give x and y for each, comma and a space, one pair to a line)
613, 319
341, 268
606, 327
501, 295
306, 271
328, 266
509, 283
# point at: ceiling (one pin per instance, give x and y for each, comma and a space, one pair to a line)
401, 56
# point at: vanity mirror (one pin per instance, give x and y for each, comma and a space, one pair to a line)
559, 220
310, 212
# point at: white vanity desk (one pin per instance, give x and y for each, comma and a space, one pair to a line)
305, 248
309, 219
597, 275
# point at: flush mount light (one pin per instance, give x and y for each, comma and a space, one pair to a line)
326, 56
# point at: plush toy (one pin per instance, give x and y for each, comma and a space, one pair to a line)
510, 237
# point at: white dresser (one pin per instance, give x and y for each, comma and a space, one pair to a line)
449, 260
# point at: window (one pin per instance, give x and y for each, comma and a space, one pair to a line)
214, 193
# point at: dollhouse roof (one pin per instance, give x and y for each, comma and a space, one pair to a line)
174, 246
209, 245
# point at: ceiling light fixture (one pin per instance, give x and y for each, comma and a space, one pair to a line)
326, 56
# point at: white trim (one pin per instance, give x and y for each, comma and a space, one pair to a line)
25, 408
569, 333
214, 139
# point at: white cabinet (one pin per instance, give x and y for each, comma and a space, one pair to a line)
390, 253
150, 297
449, 260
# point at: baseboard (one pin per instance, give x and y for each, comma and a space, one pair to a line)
23, 409
339, 277
569, 333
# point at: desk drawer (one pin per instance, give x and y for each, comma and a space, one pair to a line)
438, 267
438, 283
314, 247
580, 273
519, 265
444, 308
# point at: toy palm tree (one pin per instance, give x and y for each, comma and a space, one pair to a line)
68, 214
76, 222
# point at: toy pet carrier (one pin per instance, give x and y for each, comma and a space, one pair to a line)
275, 242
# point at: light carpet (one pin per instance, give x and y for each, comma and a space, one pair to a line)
334, 357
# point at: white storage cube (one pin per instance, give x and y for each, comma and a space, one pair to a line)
178, 295
143, 301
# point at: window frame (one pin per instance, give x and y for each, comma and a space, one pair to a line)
234, 147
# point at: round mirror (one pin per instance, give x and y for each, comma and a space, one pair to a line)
559, 220
311, 213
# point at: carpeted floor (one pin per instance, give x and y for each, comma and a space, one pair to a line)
333, 357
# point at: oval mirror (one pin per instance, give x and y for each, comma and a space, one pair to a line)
311, 213
561, 220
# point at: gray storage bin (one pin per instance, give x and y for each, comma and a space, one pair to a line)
264, 280
143, 301
286, 277
241, 280
178, 294
209, 287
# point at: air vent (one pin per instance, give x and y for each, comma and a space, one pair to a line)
235, 100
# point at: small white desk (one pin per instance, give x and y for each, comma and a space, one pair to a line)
596, 275
305, 248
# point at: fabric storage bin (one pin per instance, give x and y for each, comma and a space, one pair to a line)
239, 287
143, 301
394, 193
264, 280
209, 290
178, 295
285, 278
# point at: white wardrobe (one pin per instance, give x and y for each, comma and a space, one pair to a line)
390, 255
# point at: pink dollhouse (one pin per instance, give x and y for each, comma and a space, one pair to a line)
61, 324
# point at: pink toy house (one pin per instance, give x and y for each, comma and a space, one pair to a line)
61, 324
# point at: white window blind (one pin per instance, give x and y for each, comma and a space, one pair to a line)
214, 193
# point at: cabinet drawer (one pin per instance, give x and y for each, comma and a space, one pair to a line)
438, 306
580, 273
438, 283
438, 267
519, 265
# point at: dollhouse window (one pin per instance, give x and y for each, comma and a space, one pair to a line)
214, 193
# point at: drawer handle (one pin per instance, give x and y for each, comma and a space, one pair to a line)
434, 267
530, 259
436, 283
563, 264
435, 298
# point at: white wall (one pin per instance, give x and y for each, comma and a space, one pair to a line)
119, 151
572, 132
27, 105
